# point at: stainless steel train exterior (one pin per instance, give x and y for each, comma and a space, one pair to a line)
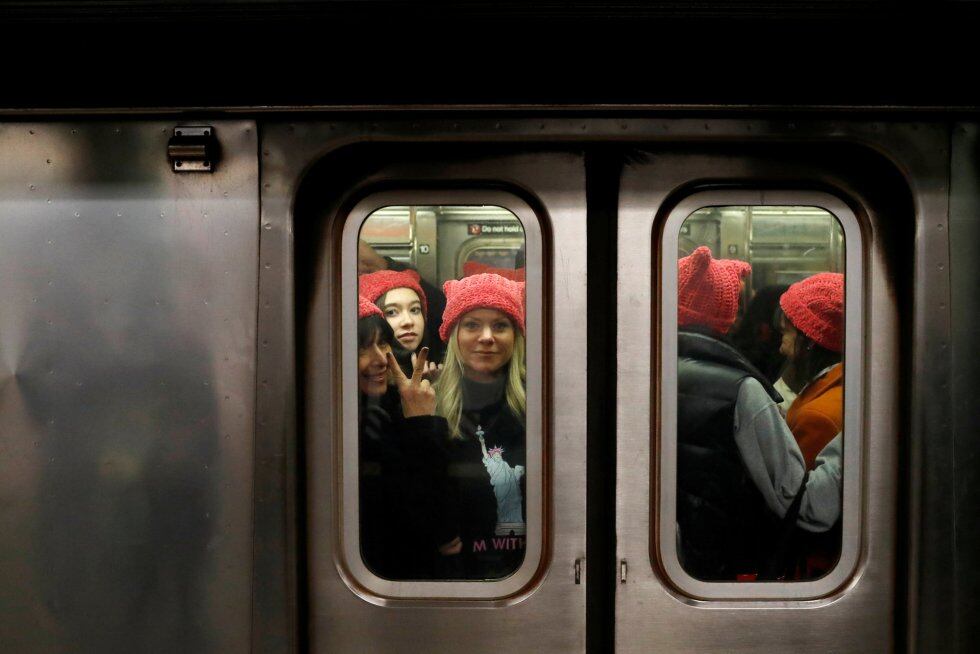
171, 405
177, 469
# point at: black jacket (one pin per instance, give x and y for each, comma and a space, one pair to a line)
403, 489
491, 549
725, 527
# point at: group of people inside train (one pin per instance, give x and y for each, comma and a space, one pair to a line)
441, 379
759, 490
442, 413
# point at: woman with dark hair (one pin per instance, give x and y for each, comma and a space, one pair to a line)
403, 512
404, 305
813, 338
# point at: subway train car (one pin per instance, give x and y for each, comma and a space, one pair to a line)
180, 463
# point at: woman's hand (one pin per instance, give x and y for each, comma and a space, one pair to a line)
418, 396
455, 546
430, 371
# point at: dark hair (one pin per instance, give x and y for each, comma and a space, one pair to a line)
374, 328
430, 339
810, 357
757, 337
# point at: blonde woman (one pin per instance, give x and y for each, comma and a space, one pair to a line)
481, 395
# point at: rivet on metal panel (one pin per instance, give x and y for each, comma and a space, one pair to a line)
939, 227
31, 131
48, 161
622, 571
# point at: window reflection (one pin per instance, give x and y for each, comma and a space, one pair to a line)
760, 393
442, 398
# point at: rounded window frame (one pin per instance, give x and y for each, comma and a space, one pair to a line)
663, 541
348, 560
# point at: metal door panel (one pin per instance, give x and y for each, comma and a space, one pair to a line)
650, 614
127, 364
551, 616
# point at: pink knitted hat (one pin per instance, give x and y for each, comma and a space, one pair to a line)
815, 306
366, 307
374, 285
485, 291
708, 290
471, 268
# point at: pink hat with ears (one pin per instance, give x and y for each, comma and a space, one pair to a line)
708, 290
815, 306
485, 291
366, 307
374, 285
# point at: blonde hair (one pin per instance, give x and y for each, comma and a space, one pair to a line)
449, 388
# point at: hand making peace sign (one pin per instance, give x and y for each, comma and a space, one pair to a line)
418, 396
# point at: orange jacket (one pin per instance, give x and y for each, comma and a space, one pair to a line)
817, 415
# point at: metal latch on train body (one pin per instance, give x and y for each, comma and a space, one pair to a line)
193, 149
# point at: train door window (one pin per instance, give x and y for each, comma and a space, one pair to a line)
760, 409
443, 480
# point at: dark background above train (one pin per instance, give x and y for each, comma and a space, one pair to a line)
822, 54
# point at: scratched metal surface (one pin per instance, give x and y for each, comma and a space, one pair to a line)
127, 363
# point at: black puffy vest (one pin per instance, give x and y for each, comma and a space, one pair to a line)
725, 527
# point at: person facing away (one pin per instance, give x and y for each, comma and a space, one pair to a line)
726, 525
481, 393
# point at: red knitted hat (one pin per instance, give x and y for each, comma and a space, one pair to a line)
485, 291
374, 285
708, 290
366, 307
471, 268
815, 306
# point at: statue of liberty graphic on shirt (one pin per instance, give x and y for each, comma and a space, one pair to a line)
506, 487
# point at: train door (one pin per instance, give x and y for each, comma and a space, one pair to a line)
789, 211
445, 211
